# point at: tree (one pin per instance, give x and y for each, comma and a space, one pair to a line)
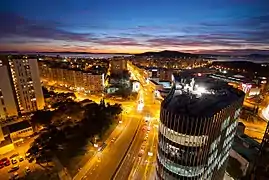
41, 118
114, 110
47, 93
46, 144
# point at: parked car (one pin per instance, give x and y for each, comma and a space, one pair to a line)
14, 161
31, 159
14, 155
1, 165
21, 159
27, 155
16, 175
5, 161
27, 170
14, 168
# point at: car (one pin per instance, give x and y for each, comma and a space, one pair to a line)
14, 155
113, 139
31, 159
27, 170
16, 175
27, 155
14, 161
1, 165
14, 168
140, 154
5, 161
21, 159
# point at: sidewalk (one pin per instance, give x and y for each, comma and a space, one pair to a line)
62, 172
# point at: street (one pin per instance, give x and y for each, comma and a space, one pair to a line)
140, 159
110, 157
117, 159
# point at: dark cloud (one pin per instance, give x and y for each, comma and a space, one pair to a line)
23, 41
16, 26
117, 41
233, 34
195, 41
252, 31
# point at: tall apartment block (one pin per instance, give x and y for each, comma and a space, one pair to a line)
198, 122
74, 79
8, 105
20, 87
118, 65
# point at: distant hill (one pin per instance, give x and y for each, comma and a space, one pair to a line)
168, 54
258, 56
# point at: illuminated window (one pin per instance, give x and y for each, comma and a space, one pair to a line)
225, 123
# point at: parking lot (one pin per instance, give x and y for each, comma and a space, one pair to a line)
20, 151
5, 174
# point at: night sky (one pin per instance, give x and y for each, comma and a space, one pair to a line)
133, 26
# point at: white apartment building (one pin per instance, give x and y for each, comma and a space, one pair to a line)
76, 80
22, 83
8, 107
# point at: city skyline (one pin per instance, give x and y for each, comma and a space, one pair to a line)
219, 27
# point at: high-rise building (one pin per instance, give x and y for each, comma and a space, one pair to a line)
197, 125
118, 65
23, 86
8, 107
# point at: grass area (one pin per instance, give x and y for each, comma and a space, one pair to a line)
109, 131
79, 151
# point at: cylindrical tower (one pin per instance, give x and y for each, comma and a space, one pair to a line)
197, 124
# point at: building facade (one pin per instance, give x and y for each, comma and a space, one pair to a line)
261, 170
73, 79
197, 125
20, 85
8, 107
117, 66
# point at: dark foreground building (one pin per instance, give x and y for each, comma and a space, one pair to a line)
261, 169
198, 123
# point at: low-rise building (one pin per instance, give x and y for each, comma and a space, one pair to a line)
135, 86
250, 86
159, 73
20, 130
245, 151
